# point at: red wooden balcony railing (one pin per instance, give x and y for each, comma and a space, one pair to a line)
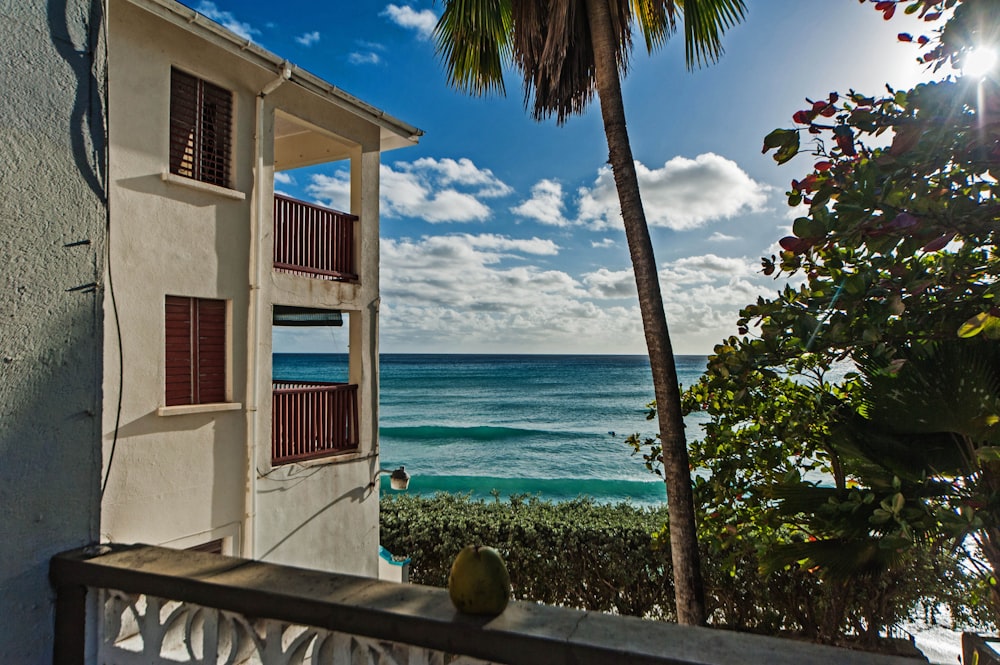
313, 240
312, 420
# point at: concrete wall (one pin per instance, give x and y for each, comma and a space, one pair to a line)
177, 478
180, 477
322, 514
52, 244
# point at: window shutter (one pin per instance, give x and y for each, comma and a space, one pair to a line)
216, 123
201, 118
195, 358
178, 325
183, 123
211, 356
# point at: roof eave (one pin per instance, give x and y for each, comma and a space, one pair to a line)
395, 133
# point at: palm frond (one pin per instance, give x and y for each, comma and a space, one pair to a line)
704, 23
473, 37
948, 388
836, 558
657, 19
552, 47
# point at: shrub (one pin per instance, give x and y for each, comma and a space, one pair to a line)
576, 553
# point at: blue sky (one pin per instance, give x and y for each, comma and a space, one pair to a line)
501, 234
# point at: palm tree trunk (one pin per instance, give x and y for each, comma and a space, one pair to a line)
688, 586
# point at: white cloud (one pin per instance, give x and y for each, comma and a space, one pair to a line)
283, 178
721, 237
477, 293
604, 283
683, 194
433, 190
369, 58
308, 39
603, 242
493, 293
422, 21
706, 268
545, 205
461, 172
228, 21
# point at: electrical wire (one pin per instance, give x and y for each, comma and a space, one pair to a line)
107, 248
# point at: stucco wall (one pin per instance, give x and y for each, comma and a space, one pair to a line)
322, 514
175, 479
180, 479
52, 244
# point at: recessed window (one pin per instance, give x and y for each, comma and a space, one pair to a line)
201, 118
195, 351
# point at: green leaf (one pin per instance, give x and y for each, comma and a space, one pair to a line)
785, 141
988, 454
984, 322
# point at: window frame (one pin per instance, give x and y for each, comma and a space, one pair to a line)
200, 136
198, 328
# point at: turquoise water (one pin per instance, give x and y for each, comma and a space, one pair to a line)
552, 426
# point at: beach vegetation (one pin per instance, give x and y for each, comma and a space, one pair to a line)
615, 558
566, 51
853, 424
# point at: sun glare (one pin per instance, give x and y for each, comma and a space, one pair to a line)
979, 62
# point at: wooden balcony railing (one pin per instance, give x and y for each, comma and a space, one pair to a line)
157, 606
313, 240
312, 420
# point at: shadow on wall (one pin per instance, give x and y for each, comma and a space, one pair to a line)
51, 341
81, 45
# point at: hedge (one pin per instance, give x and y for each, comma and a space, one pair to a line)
575, 553
604, 557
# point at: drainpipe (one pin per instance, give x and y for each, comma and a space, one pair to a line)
255, 317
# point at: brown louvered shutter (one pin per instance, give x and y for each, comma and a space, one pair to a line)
201, 117
195, 334
216, 123
178, 322
211, 357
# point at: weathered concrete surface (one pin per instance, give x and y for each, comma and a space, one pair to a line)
525, 633
52, 248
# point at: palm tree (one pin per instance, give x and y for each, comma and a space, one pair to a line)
565, 51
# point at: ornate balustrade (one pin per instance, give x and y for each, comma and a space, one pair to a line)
157, 605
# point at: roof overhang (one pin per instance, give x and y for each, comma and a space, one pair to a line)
394, 132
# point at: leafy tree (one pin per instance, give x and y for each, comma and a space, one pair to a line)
565, 51
892, 287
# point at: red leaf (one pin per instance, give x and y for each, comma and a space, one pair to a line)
794, 245
904, 37
802, 117
824, 109
939, 243
823, 166
903, 220
834, 97
923, 39
933, 17
883, 5
887, 14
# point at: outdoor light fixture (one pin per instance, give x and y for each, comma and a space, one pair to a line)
399, 479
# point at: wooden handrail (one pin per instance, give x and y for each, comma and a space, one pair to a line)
311, 420
314, 240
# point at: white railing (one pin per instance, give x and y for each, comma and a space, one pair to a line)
162, 606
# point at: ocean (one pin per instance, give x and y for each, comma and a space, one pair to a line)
552, 426
548, 426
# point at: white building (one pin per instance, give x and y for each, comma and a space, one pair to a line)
205, 449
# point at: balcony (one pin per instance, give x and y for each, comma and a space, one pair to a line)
313, 420
156, 605
314, 241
